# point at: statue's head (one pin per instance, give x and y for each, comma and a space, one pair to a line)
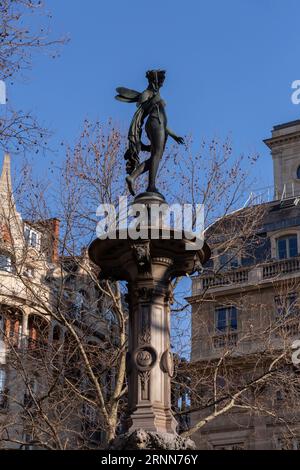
156, 78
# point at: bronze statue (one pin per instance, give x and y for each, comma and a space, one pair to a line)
149, 103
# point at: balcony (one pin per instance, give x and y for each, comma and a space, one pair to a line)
228, 340
285, 266
233, 277
211, 346
252, 275
243, 342
290, 327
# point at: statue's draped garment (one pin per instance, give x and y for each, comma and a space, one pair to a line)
146, 103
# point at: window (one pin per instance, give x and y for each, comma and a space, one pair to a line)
287, 247
2, 380
38, 333
5, 263
228, 260
286, 305
298, 172
226, 318
78, 304
27, 233
13, 329
32, 237
3, 391
28, 439
91, 424
33, 241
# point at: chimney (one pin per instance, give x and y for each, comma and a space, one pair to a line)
55, 234
49, 229
285, 150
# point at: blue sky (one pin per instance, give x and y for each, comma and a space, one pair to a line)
230, 65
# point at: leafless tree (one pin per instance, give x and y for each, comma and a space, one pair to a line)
78, 331
24, 32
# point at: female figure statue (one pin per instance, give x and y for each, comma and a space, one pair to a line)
151, 105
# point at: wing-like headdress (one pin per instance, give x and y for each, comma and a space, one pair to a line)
127, 95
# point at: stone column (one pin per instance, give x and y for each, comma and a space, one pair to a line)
150, 363
149, 266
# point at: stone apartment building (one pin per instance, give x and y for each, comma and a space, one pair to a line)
34, 347
246, 306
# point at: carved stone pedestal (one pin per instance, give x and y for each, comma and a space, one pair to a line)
148, 266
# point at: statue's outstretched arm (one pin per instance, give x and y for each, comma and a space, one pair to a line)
174, 136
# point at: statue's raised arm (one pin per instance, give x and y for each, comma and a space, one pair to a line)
150, 105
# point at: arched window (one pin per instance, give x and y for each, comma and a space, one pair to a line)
287, 246
11, 325
38, 332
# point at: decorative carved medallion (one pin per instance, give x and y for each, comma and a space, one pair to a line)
145, 358
167, 363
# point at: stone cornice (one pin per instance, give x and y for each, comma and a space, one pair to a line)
282, 139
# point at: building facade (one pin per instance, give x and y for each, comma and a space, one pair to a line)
246, 316
44, 392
